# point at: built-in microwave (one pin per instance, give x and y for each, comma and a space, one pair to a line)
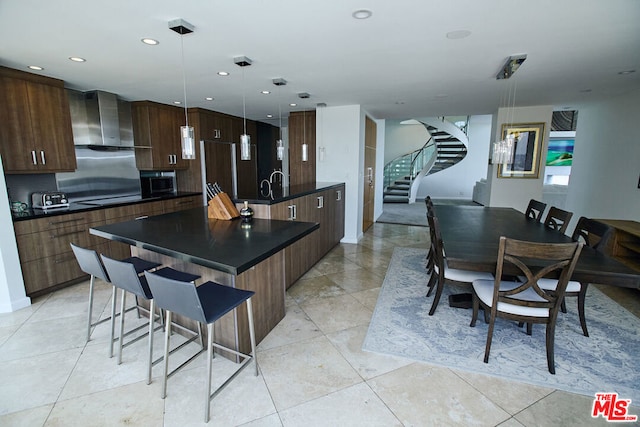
157, 185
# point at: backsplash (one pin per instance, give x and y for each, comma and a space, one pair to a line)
20, 187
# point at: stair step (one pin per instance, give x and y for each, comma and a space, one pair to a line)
399, 187
439, 133
450, 138
387, 199
390, 192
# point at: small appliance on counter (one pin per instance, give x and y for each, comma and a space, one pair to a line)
49, 200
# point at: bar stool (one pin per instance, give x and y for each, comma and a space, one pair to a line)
124, 276
90, 263
205, 304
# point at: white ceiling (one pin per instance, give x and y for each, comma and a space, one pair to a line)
397, 64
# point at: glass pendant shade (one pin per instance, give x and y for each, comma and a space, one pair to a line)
305, 152
279, 149
503, 150
188, 142
245, 147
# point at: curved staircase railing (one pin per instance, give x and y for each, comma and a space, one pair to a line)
446, 147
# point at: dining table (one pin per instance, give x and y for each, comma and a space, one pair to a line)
471, 236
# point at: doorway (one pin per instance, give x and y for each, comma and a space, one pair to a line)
369, 173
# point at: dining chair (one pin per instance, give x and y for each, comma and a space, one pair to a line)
595, 235
205, 304
558, 219
524, 301
441, 273
535, 209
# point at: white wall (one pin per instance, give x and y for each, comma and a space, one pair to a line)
516, 192
340, 131
12, 293
402, 139
457, 182
606, 161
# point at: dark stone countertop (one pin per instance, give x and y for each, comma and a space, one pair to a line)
189, 235
84, 206
280, 194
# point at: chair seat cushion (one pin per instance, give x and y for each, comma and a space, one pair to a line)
484, 291
464, 275
551, 284
217, 300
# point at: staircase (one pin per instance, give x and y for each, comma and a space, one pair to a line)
446, 147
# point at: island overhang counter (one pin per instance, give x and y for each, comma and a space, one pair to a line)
233, 253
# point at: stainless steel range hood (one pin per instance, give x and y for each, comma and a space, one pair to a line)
100, 120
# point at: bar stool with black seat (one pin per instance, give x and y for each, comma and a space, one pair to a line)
123, 275
205, 304
558, 219
535, 209
90, 263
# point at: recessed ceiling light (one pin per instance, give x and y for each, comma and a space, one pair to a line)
624, 73
223, 73
362, 14
293, 104
35, 67
208, 98
77, 59
265, 92
269, 116
458, 34
177, 102
150, 42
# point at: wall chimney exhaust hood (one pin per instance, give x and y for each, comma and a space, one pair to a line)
100, 120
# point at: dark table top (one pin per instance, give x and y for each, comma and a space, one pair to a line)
471, 235
189, 235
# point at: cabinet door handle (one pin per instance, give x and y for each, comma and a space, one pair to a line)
339, 195
70, 233
66, 221
295, 211
44, 161
320, 202
33, 158
216, 133
142, 217
292, 212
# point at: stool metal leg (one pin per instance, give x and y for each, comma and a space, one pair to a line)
252, 334
209, 369
121, 336
114, 297
90, 316
151, 323
167, 336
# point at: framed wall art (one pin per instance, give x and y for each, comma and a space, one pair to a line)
527, 150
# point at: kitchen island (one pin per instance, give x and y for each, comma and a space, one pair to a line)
245, 256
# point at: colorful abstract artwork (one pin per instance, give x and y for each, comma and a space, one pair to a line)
560, 152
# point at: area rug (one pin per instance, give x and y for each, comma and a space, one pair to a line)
607, 361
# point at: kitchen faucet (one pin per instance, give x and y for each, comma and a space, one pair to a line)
273, 178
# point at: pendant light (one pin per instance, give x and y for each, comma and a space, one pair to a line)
503, 150
305, 146
187, 140
279, 144
245, 139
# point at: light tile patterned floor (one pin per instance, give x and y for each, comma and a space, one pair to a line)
312, 371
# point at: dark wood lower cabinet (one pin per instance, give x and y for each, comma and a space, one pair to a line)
325, 207
46, 258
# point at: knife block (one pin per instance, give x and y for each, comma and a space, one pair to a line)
221, 207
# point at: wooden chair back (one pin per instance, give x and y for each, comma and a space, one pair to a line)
555, 257
558, 219
437, 250
593, 233
535, 210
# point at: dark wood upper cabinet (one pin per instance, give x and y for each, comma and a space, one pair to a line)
157, 126
35, 136
302, 129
